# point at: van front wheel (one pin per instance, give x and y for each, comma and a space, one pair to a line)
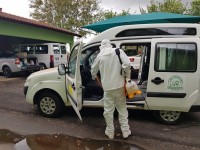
168, 117
50, 105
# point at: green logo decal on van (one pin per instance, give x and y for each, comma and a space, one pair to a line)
175, 83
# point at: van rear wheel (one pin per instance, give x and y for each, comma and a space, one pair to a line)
43, 66
168, 117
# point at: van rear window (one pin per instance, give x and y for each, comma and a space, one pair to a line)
176, 57
56, 49
41, 49
63, 50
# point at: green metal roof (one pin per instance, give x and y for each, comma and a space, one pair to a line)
158, 17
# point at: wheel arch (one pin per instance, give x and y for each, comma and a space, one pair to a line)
43, 64
4, 66
160, 119
46, 90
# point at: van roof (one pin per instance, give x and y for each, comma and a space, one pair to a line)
112, 32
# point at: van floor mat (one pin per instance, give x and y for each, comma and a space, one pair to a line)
93, 98
136, 98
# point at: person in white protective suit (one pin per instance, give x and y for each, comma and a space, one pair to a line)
107, 62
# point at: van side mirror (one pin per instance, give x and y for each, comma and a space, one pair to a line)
61, 69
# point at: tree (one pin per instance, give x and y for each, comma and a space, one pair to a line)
67, 14
110, 14
172, 6
71, 14
195, 8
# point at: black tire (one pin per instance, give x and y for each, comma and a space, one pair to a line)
50, 105
43, 66
7, 72
168, 117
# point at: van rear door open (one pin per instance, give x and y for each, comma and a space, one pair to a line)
56, 54
63, 56
60, 54
173, 81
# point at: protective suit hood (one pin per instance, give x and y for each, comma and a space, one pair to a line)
106, 48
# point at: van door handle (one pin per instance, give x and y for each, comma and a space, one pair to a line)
73, 86
157, 80
61, 55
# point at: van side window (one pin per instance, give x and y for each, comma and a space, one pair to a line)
73, 61
90, 55
27, 48
177, 57
56, 49
93, 57
41, 49
158, 31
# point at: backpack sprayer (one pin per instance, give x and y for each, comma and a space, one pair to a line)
131, 88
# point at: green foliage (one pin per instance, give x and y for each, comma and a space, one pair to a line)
70, 14
195, 8
172, 6
110, 14
73, 14
67, 14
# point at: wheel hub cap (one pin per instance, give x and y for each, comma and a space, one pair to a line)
47, 105
170, 115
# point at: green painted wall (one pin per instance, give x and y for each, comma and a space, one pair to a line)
31, 32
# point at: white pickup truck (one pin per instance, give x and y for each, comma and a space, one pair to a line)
10, 63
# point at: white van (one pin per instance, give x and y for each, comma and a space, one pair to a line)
168, 74
48, 54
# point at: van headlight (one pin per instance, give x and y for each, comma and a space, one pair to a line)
28, 80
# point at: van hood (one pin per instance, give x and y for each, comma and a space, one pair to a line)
45, 71
45, 75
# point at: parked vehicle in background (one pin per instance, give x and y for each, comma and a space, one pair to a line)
49, 55
11, 63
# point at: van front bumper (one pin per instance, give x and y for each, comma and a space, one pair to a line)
25, 90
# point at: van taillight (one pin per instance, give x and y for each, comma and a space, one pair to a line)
131, 59
51, 58
51, 61
17, 61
